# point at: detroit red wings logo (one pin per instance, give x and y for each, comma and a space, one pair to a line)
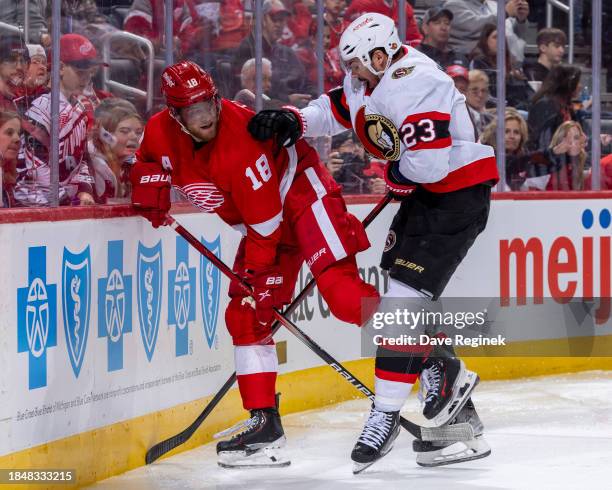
204, 195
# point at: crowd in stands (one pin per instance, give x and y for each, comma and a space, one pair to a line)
545, 122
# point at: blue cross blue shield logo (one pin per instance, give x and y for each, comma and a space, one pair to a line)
37, 317
210, 288
149, 267
76, 301
181, 296
114, 305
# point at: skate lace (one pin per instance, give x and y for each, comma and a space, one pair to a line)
239, 429
430, 383
376, 429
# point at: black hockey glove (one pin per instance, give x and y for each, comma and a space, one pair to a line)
283, 125
397, 184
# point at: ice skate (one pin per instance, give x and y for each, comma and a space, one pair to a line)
259, 445
430, 454
376, 439
446, 385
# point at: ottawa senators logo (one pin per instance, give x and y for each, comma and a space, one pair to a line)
378, 135
402, 72
390, 241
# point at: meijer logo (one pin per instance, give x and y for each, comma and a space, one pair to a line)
569, 263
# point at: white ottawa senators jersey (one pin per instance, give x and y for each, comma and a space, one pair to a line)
416, 116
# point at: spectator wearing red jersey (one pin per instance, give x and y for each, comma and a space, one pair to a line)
307, 53
390, 9
78, 60
334, 17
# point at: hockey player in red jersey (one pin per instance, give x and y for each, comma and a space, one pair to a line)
406, 110
289, 210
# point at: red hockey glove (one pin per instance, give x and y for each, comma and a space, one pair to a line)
151, 191
267, 285
397, 184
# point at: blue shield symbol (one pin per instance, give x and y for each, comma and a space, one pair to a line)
149, 265
181, 296
210, 287
76, 300
37, 317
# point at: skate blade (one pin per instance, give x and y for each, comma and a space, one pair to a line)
271, 456
465, 385
462, 452
359, 467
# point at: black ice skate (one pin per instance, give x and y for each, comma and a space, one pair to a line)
440, 453
258, 445
446, 385
376, 439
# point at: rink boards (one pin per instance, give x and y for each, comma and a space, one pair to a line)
113, 337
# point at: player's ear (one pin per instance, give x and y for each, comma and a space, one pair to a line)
379, 59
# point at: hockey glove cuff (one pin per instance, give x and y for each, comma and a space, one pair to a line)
397, 184
151, 191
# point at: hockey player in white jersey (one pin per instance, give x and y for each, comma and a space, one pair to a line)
406, 110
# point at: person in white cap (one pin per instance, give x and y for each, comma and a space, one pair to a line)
37, 74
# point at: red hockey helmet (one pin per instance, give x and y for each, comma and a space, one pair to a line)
185, 83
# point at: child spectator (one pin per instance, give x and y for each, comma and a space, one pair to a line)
551, 49
115, 139
78, 59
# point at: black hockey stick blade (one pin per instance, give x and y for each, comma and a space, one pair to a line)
163, 447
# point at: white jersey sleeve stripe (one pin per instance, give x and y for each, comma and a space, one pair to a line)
266, 228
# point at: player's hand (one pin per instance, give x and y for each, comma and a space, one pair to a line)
283, 125
377, 185
397, 184
267, 286
151, 191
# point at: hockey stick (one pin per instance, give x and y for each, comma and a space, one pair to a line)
450, 433
167, 445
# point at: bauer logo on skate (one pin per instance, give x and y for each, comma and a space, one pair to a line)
210, 289
76, 302
578, 267
114, 306
150, 268
181, 296
37, 317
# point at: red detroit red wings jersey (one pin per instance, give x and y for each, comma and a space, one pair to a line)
234, 175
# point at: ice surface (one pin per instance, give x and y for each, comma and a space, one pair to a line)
546, 432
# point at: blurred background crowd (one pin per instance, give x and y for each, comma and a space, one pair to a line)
113, 51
